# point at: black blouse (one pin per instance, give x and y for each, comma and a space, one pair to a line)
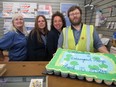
36, 51
52, 42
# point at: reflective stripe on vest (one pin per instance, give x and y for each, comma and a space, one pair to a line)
85, 42
88, 38
66, 38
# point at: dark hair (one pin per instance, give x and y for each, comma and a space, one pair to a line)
61, 16
37, 29
72, 8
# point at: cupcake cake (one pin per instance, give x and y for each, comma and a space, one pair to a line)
98, 67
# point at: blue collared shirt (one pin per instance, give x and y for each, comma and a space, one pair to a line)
15, 43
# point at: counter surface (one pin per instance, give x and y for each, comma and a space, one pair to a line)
36, 68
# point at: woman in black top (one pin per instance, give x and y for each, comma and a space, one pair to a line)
36, 44
57, 24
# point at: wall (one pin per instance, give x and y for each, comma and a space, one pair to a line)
105, 6
54, 3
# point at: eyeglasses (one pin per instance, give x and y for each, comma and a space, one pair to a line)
73, 14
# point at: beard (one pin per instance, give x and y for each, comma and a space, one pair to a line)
73, 22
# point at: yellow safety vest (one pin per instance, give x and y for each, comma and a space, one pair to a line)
85, 42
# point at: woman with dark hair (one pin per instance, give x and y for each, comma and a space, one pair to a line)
36, 44
57, 24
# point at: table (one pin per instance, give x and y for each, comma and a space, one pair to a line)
36, 69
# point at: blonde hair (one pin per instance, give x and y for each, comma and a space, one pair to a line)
16, 15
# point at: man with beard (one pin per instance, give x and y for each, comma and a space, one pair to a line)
79, 36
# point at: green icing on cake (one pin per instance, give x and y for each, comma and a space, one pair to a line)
96, 65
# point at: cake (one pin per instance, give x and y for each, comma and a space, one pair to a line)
91, 66
114, 82
50, 71
80, 77
64, 74
72, 75
98, 81
89, 79
108, 82
57, 72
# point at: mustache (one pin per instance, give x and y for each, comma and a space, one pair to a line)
76, 18
75, 23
